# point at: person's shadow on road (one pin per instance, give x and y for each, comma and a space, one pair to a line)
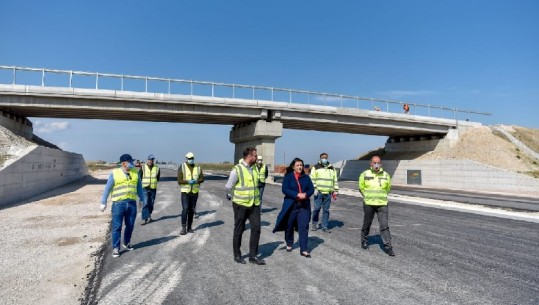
202, 213
266, 250
266, 210
167, 217
376, 240
154, 241
314, 242
210, 224
335, 224
262, 224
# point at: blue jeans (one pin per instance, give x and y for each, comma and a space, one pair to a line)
123, 211
149, 199
322, 201
261, 192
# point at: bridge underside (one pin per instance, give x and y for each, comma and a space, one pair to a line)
94, 104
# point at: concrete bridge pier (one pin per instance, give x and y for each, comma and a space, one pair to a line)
261, 135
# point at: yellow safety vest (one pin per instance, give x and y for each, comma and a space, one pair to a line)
125, 187
188, 175
375, 186
246, 188
261, 172
149, 177
325, 179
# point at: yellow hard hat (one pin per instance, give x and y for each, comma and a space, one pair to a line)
190, 155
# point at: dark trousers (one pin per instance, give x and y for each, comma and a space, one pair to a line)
189, 204
261, 187
383, 219
241, 214
300, 216
147, 208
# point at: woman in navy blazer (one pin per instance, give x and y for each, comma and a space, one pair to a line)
296, 211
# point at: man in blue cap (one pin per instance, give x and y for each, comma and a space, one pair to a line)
124, 187
149, 174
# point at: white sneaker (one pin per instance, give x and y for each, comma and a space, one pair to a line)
128, 247
115, 252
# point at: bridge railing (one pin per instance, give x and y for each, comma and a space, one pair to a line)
121, 82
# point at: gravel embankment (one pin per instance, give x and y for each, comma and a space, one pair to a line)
50, 243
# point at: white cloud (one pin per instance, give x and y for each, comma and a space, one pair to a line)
42, 127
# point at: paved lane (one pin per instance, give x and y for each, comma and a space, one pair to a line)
443, 257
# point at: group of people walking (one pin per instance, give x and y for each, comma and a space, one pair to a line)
245, 188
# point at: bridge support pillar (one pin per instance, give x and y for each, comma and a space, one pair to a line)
261, 135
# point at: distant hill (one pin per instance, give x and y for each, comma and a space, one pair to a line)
481, 144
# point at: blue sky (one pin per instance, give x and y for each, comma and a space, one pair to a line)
476, 55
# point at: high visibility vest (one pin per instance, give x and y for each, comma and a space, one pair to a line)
246, 188
261, 172
375, 187
149, 177
188, 175
125, 187
325, 179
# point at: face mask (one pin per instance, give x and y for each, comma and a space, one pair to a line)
130, 165
324, 161
259, 161
376, 166
191, 161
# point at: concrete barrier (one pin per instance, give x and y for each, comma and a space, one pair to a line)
449, 174
40, 169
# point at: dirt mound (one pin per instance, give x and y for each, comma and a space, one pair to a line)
480, 144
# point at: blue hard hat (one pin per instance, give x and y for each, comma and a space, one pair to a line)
126, 157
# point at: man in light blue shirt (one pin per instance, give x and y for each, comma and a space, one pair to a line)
124, 186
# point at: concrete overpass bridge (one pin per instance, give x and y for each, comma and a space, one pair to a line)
258, 114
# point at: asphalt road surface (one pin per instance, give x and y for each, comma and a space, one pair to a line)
442, 257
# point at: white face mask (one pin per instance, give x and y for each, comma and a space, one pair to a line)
324, 161
376, 166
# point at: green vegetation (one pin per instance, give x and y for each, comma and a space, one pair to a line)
97, 165
217, 166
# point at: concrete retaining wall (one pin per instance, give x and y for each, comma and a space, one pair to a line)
40, 169
17, 124
450, 174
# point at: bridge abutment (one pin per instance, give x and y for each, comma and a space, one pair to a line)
261, 135
17, 124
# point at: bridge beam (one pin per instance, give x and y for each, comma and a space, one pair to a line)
261, 135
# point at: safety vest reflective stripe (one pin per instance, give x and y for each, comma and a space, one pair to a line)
324, 180
187, 175
246, 188
149, 177
375, 187
261, 173
124, 187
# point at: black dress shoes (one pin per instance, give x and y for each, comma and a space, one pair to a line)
364, 245
305, 254
256, 260
288, 249
239, 260
389, 251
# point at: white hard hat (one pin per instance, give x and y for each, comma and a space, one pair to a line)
190, 155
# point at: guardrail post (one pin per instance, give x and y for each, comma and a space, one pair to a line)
191, 87
42, 77
97, 81
122, 84
71, 79
272, 94
169, 86
146, 84
14, 75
